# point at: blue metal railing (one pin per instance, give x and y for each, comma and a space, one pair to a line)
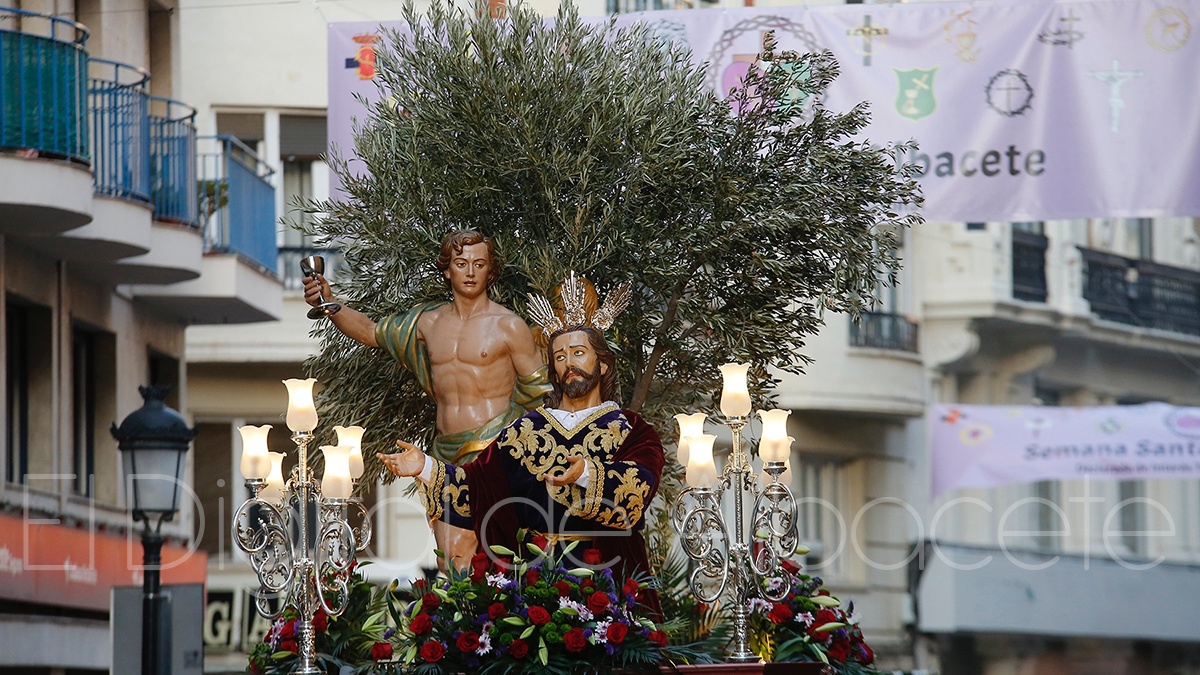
237, 201
43, 85
119, 106
173, 161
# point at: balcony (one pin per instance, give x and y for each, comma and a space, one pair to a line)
882, 330
119, 125
44, 150
1141, 293
236, 214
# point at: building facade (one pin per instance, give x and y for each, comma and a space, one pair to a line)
119, 227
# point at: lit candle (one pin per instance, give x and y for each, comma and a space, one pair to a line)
335, 484
273, 491
301, 412
255, 463
689, 425
735, 396
352, 437
775, 445
701, 471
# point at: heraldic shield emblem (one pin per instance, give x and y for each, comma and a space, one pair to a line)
914, 97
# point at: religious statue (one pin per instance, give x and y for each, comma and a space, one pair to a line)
475, 357
577, 468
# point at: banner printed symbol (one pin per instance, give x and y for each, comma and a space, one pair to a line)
1114, 79
1063, 36
915, 99
723, 77
868, 33
1009, 93
1168, 29
960, 33
670, 31
364, 59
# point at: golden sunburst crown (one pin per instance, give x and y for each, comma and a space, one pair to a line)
576, 294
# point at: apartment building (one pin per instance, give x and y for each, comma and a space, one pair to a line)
119, 228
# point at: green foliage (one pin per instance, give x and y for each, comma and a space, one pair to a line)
587, 147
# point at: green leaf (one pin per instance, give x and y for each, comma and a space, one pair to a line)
513, 621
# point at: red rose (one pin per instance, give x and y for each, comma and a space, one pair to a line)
518, 649
780, 613
320, 620
497, 611
430, 602
658, 637
479, 566
839, 650
288, 630
382, 651
563, 588
598, 602
538, 616
289, 646
420, 586
433, 651
591, 556
791, 566
421, 624
631, 588
540, 541
586, 585
503, 564
531, 577
468, 642
617, 632
574, 640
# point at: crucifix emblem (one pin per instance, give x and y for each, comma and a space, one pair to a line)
1114, 79
1065, 35
868, 33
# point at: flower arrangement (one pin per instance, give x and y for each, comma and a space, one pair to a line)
506, 614
357, 639
808, 624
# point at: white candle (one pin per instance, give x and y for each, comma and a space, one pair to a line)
701, 471
301, 412
273, 491
255, 462
352, 437
335, 484
689, 425
775, 445
735, 395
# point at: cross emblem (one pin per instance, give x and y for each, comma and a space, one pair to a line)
868, 33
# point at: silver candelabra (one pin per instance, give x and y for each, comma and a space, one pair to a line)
273, 528
741, 559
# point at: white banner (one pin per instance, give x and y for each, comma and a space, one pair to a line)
989, 446
1023, 109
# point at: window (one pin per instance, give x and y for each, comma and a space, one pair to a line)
83, 410
164, 371
1139, 233
1031, 226
29, 386
302, 141
1131, 518
821, 492
1048, 521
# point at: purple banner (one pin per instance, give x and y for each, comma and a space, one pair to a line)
989, 446
1024, 110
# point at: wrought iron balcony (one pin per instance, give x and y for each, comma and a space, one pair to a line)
1029, 266
237, 201
173, 184
43, 85
883, 330
120, 127
1141, 292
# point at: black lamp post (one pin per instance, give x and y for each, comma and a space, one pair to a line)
153, 441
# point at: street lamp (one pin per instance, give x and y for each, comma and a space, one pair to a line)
153, 441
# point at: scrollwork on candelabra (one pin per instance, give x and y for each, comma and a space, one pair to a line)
731, 558
273, 526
